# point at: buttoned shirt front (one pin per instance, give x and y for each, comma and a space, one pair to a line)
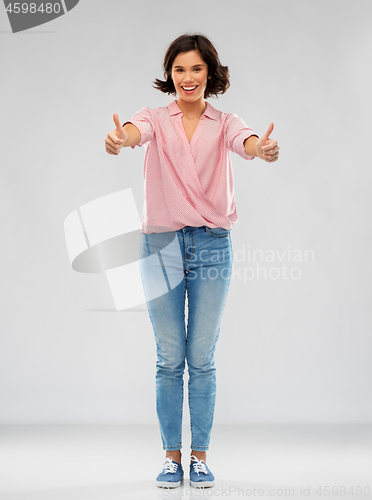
189, 184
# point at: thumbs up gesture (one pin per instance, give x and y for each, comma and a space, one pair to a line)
267, 149
115, 139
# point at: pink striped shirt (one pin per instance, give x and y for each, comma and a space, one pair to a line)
189, 184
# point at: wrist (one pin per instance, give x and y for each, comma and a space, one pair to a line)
125, 138
250, 145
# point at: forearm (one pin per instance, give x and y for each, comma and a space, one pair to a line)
250, 145
133, 135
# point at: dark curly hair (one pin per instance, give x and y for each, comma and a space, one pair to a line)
218, 83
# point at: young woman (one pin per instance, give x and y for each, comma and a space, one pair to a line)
189, 210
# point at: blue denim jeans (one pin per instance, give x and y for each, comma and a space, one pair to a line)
196, 260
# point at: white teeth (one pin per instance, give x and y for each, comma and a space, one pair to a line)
189, 88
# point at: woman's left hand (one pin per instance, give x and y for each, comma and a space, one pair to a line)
267, 149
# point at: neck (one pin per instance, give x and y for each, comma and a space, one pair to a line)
192, 109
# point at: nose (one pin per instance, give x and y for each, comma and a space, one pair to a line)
187, 78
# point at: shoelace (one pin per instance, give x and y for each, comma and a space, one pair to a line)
169, 466
199, 465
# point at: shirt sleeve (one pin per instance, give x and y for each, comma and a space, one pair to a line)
236, 133
143, 120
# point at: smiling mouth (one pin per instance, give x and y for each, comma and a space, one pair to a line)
189, 90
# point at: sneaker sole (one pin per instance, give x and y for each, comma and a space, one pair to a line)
201, 484
168, 484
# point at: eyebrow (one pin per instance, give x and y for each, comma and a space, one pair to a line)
193, 66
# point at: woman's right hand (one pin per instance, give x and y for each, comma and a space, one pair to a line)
115, 139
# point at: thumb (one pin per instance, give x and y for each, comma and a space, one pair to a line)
268, 132
117, 123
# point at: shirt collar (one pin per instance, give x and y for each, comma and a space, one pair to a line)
210, 111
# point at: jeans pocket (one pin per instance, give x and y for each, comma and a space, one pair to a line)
217, 232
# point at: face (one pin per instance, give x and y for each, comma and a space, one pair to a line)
189, 70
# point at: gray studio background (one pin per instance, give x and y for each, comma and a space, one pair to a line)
292, 350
